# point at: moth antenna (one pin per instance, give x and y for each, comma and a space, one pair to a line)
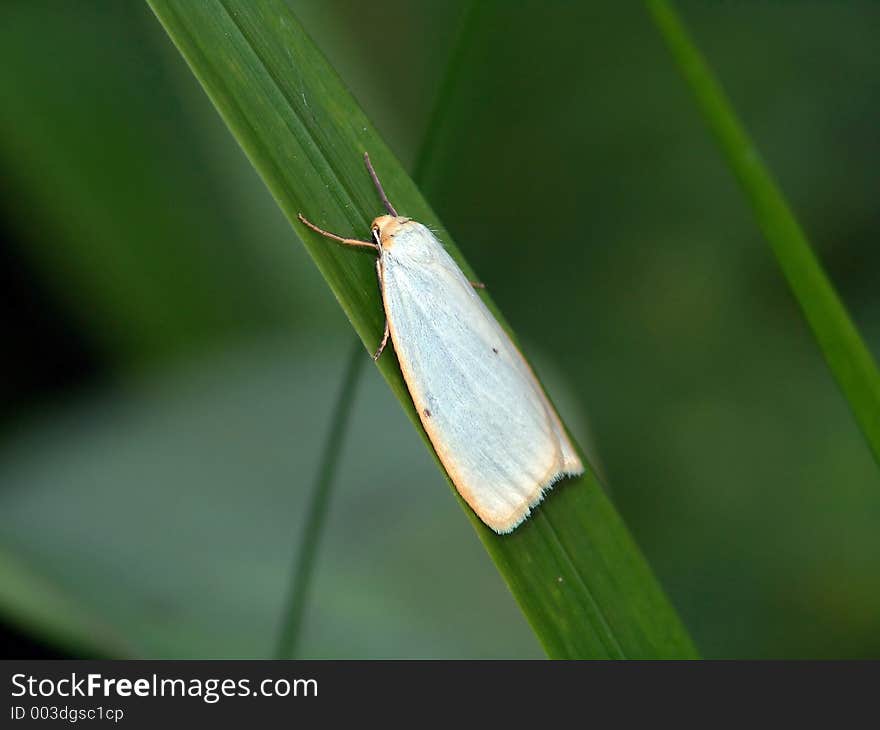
385, 201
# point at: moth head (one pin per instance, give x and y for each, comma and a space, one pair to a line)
385, 228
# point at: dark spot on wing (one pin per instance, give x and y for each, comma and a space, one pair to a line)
427, 413
495, 350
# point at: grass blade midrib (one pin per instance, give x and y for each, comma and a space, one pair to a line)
607, 635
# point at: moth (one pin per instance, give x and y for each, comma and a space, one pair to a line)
493, 428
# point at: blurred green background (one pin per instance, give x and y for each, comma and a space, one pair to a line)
172, 354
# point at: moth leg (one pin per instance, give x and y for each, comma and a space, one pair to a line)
387, 332
478, 285
346, 241
383, 342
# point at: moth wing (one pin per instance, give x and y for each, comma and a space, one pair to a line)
487, 416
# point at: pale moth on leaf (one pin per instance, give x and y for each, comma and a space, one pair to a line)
487, 416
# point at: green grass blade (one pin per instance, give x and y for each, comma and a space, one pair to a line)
573, 567
844, 350
316, 514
